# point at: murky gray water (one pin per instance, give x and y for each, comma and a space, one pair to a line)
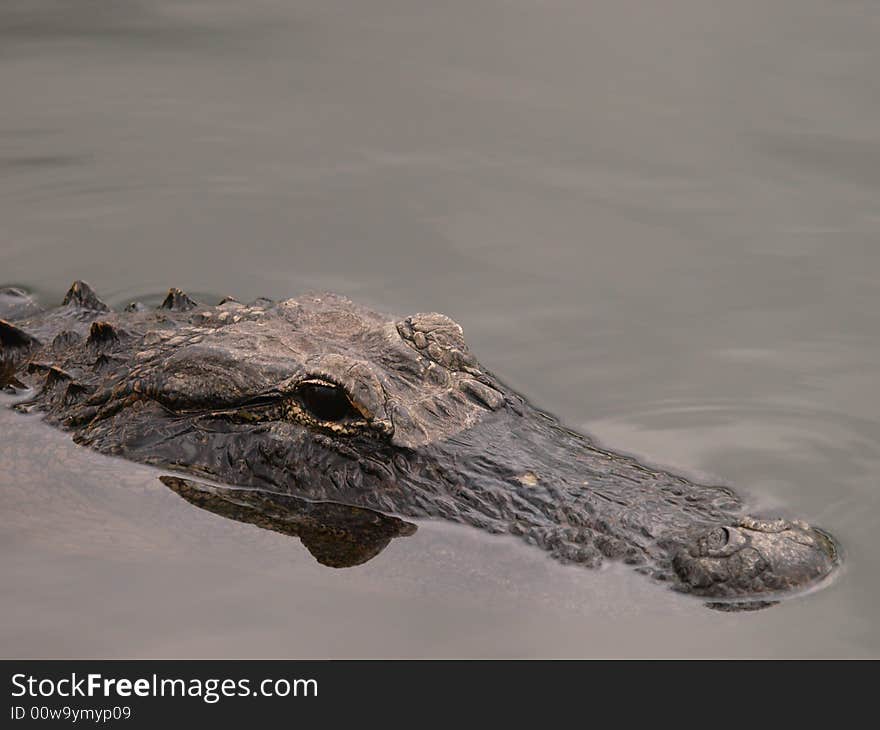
657, 220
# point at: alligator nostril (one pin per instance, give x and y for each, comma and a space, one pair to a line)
718, 538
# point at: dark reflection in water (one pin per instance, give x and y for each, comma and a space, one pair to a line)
337, 535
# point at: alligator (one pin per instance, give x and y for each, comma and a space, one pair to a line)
324, 419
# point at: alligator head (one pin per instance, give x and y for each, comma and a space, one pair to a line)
328, 401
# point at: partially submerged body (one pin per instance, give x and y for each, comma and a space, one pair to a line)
317, 399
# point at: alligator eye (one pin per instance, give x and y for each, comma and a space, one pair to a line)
326, 401
718, 538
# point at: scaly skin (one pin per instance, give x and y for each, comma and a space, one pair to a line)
327, 401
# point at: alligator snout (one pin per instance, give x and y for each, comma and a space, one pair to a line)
755, 558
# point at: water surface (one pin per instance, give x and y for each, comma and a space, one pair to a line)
659, 223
